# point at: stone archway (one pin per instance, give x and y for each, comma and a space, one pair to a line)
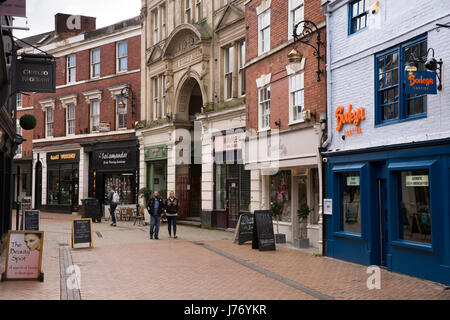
190, 98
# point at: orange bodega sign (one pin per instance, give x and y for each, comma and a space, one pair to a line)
352, 116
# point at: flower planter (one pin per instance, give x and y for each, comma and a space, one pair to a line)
301, 243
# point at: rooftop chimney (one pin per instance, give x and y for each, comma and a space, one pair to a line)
70, 25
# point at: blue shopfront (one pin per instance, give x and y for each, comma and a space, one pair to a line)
391, 208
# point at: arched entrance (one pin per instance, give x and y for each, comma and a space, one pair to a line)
189, 176
38, 186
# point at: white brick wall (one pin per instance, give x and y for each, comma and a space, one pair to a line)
352, 70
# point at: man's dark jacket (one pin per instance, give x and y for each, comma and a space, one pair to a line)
151, 206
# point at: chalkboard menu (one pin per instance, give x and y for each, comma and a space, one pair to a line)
244, 229
263, 236
81, 231
32, 220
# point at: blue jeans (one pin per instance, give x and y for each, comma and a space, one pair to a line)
172, 221
113, 207
155, 221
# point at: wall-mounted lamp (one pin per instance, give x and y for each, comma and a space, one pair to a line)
123, 95
278, 123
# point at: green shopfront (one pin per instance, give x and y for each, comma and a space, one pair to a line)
156, 169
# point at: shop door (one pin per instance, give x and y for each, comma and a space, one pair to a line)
383, 218
232, 202
38, 186
184, 199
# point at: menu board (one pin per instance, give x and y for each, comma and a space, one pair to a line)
32, 220
244, 229
81, 231
263, 236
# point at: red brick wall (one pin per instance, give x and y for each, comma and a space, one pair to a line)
82, 109
275, 64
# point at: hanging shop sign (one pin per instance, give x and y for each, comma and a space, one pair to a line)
24, 256
61, 157
421, 82
35, 74
352, 116
16, 8
113, 159
417, 181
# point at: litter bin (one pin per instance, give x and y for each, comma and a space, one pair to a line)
91, 208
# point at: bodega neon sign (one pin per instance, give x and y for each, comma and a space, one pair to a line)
352, 116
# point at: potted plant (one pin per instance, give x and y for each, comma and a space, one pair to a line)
145, 193
303, 212
277, 210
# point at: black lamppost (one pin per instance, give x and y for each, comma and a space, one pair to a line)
305, 36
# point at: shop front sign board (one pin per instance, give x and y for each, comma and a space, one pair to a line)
421, 82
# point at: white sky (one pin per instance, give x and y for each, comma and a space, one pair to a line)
41, 13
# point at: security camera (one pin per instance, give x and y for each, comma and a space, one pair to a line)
325, 160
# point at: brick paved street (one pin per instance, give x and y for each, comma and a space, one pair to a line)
201, 264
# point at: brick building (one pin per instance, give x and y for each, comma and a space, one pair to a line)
85, 139
285, 102
388, 172
193, 95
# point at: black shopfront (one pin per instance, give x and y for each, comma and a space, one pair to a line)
63, 181
114, 163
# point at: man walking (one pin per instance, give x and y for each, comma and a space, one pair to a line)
114, 199
172, 213
154, 207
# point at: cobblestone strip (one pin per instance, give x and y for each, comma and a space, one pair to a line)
293, 284
65, 260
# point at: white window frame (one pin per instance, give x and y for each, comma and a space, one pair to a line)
71, 68
49, 122
94, 118
95, 63
264, 32
228, 59
264, 109
295, 5
163, 96
296, 85
155, 16
120, 58
19, 100
123, 115
155, 97
18, 132
187, 11
241, 64
70, 121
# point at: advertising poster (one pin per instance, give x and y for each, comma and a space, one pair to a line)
24, 255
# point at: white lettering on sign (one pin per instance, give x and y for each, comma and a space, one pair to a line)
73, 23
417, 181
353, 181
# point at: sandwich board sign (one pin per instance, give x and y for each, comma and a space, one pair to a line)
82, 232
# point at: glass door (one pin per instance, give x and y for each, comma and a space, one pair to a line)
232, 202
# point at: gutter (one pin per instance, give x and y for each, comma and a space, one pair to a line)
329, 75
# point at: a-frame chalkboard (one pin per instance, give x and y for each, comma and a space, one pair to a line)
263, 236
82, 231
244, 229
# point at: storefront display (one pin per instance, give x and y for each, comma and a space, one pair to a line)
280, 191
62, 180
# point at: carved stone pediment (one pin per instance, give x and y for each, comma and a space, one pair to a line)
229, 17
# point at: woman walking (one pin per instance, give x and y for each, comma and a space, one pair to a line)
172, 214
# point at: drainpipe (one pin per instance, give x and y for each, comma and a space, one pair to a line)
324, 146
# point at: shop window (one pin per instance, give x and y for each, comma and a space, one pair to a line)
392, 103
232, 173
358, 15
125, 184
351, 202
414, 212
157, 176
280, 191
62, 185
221, 179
